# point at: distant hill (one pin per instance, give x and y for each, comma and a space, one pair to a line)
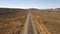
34, 9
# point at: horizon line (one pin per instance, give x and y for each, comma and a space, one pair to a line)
27, 7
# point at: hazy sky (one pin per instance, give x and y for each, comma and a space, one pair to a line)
30, 3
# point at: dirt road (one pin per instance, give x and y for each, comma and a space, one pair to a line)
30, 27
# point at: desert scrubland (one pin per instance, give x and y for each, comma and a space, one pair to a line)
12, 20
50, 18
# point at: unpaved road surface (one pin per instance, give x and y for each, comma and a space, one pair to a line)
30, 27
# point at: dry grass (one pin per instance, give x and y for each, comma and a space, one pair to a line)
12, 20
50, 19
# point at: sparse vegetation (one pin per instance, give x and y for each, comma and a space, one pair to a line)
12, 20
51, 19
